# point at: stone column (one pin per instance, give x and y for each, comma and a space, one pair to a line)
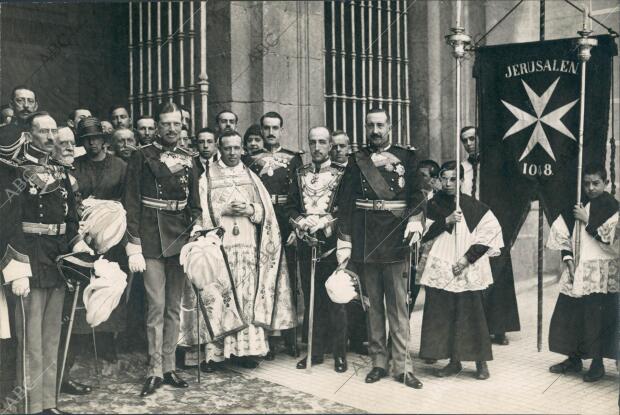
268, 57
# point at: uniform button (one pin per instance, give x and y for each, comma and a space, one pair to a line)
391, 188
40, 206
41, 215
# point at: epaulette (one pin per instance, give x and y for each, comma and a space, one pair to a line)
188, 152
9, 162
292, 152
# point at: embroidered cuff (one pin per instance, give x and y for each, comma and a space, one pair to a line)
342, 244
15, 270
257, 214
12, 254
133, 239
343, 236
132, 249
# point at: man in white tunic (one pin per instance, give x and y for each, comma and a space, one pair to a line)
236, 200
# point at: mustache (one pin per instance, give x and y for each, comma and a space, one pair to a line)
375, 135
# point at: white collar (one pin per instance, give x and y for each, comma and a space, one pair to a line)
236, 169
323, 165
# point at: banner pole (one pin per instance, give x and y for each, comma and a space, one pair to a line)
459, 41
539, 316
585, 44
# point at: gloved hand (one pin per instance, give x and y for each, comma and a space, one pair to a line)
321, 224
413, 232
292, 239
21, 287
310, 222
137, 263
343, 252
82, 246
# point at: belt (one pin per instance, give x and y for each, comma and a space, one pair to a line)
173, 205
44, 228
278, 199
380, 204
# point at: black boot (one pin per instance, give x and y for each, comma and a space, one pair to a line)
596, 371
572, 364
482, 371
453, 368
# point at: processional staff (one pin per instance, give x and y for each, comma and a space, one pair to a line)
459, 41
585, 44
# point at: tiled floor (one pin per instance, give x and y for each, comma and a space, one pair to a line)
520, 383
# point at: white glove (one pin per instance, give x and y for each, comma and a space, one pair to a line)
343, 252
21, 287
137, 263
321, 224
414, 231
311, 222
82, 246
292, 238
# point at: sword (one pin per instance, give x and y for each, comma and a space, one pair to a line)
24, 357
76, 293
297, 277
413, 253
311, 309
196, 293
96, 357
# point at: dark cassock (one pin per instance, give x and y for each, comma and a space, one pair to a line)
49, 222
313, 193
454, 324
500, 298
163, 207
276, 169
382, 195
585, 319
102, 180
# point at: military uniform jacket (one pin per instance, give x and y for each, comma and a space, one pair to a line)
376, 233
276, 170
14, 261
47, 199
314, 191
166, 174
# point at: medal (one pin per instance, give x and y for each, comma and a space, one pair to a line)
235, 229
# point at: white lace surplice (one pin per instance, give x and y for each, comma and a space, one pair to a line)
227, 185
598, 270
436, 267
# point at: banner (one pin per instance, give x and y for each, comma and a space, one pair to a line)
528, 105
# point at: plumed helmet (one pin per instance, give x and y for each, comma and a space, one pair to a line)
105, 222
342, 286
202, 260
104, 292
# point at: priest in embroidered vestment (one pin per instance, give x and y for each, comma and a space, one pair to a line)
234, 198
454, 325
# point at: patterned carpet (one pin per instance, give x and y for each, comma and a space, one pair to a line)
226, 391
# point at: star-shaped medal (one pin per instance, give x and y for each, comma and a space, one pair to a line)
552, 119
